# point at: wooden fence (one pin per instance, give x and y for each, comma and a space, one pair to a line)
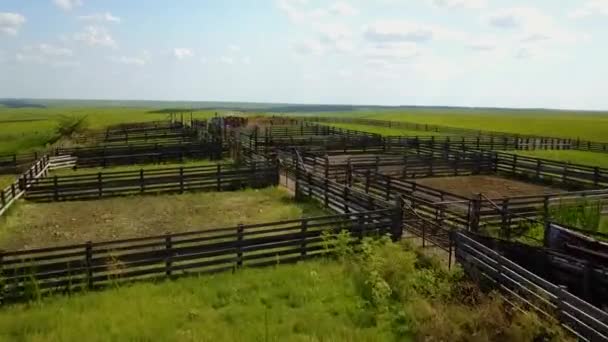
13, 192
17, 163
95, 265
142, 153
218, 177
529, 290
518, 141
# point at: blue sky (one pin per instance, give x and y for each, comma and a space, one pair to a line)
506, 53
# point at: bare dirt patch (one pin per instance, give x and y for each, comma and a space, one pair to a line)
32, 225
490, 186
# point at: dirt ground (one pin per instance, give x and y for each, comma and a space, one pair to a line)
33, 225
491, 186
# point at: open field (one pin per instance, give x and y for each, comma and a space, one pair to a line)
135, 167
32, 225
575, 157
323, 300
588, 126
491, 186
25, 129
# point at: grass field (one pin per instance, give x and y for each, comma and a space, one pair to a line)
569, 124
575, 157
31, 225
25, 129
385, 294
588, 126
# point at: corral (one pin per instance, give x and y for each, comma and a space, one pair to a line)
459, 194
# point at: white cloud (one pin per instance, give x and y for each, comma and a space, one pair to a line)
67, 5
226, 60
342, 8
406, 31
136, 61
234, 48
246, 60
96, 36
10, 23
298, 11
203, 60
466, 4
534, 26
100, 17
392, 53
589, 8
483, 44
336, 37
345, 73
309, 47
46, 54
182, 53
49, 50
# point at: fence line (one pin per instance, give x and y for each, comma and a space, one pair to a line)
218, 177
94, 265
484, 264
25, 181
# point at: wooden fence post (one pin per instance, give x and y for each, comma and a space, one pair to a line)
88, 252
303, 232
2, 283
326, 192
505, 218
99, 184
239, 249
219, 177
596, 176
141, 181
367, 181
168, 255
2, 199
181, 179
55, 188
397, 224
345, 199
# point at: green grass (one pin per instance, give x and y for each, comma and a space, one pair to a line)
386, 131
587, 126
136, 167
6, 180
31, 225
575, 157
379, 293
27, 129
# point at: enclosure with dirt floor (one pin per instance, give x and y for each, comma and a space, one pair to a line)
33, 225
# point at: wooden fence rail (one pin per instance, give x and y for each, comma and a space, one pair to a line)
520, 141
218, 177
25, 181
94, 265
484, 264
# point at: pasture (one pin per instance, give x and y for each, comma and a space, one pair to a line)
27, 129
584, 125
